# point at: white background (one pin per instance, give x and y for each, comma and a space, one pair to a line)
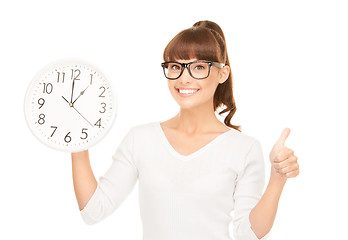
289, 63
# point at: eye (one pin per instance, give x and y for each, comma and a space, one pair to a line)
175, 67
199, 67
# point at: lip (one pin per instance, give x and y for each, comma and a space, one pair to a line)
186, 94
186, 88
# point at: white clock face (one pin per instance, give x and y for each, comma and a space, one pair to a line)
70, 105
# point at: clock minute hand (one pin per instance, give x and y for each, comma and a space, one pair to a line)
72, 90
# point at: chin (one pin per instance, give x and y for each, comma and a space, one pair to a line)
188, 105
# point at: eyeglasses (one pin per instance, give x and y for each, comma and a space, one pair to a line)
197, 69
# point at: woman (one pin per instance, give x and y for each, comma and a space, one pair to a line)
193, 170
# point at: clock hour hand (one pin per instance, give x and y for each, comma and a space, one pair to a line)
70, 104
82, 116
81, 93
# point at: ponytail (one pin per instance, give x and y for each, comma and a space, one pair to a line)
223, 96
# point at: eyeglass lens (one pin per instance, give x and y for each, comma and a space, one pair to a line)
197, 70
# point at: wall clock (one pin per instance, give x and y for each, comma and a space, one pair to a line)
70, 105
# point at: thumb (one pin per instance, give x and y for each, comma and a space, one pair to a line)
283, 136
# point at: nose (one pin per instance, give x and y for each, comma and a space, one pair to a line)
185, 76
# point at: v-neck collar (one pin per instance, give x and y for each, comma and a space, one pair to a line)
192, 155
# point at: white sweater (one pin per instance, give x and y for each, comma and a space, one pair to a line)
184, 197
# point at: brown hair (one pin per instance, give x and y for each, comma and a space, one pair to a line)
206, 41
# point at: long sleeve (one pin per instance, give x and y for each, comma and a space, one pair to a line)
115, 185
248, 191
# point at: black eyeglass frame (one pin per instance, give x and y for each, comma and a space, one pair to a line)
187, 65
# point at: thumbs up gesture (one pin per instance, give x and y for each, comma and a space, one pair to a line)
283, 160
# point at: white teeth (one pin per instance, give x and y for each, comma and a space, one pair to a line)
187, 91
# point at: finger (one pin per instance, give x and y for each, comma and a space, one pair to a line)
290, 168
283, 136
285, 154
283, 165
276, 166
293, 174
293, 158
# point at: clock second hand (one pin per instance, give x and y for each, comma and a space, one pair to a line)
71, 105
82, 116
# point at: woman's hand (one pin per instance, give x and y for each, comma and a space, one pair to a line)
284, 162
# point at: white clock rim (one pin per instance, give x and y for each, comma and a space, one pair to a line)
37, 77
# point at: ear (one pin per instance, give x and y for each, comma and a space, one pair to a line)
224, 73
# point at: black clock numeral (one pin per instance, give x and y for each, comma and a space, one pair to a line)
98, 123
101, 95
55, 128
91, 79
103, 107
67, 138
41, 102
41, 119
48, 88
85, 133
75, 73
61, 74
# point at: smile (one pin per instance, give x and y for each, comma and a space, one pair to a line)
187, 92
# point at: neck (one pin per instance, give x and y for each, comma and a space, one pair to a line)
197, 120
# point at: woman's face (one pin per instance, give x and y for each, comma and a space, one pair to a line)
205, 87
